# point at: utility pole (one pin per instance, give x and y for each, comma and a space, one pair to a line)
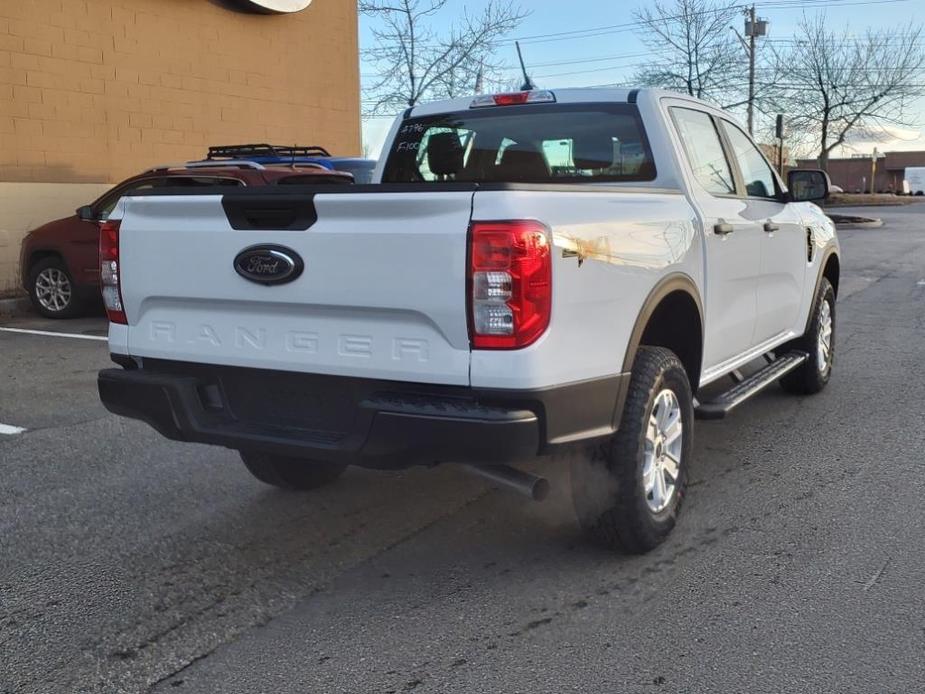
873, 170
779, 132
750, 30
754, 28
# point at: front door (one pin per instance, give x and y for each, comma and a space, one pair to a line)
732, 242
783, 259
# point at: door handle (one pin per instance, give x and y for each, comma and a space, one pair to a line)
723, 228
771, 226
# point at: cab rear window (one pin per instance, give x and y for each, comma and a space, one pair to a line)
542, 143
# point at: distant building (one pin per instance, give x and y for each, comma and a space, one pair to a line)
853, 174
92, 91
771, 152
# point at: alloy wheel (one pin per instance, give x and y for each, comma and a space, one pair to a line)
53, 289
824, 341
662, 455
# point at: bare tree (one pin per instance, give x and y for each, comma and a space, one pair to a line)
415, 61
838, 85
693, 49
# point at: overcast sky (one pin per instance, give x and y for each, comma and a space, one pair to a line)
599, 51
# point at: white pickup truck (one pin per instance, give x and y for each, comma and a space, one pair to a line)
531, 273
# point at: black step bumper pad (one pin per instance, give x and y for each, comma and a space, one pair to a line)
366, 422
388, 430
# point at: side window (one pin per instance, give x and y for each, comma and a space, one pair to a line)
558, 155
593, 154
108, 203
704, 151
502, 148
758, 177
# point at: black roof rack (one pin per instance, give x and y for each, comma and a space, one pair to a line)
265, 150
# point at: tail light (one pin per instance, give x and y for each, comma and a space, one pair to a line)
510, 283
109, 271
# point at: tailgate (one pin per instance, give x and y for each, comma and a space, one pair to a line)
382, 293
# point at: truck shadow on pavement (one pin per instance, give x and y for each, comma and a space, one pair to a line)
481, 570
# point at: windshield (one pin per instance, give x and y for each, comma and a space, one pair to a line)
548, 143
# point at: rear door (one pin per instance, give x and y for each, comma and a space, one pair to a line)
732, 241
783, 260
382, 293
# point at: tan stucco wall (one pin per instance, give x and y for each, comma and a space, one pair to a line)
24, 206
93, 91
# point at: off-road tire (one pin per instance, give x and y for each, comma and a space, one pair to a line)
291, 473
73, 307
607, 477
810, 378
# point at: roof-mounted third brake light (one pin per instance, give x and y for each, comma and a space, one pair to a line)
513, 99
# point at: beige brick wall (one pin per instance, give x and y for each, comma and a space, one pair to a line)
97, 90
94, 90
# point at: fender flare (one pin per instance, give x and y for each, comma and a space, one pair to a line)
825, 256
35, 255
669, 284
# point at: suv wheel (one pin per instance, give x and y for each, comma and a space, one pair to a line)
52, 290
291, 473
819, 342
628, 489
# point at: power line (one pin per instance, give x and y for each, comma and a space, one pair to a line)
586, 72
595, 60
855, 41
627, 26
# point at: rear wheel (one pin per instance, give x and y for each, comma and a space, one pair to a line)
819, 342
291, 473
52, 290
628, 489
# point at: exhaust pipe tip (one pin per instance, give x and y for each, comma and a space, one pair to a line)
540, 489
524, 483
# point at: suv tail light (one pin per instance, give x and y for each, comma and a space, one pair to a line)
109, 271
510, 283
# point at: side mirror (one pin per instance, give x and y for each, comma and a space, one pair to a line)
808, 185
85, 212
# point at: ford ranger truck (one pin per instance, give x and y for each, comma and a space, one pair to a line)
578, 271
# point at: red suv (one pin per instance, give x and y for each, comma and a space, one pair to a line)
59, 261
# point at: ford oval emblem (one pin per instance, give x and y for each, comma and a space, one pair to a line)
268, 264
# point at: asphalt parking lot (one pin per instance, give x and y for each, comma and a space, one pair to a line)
129, 563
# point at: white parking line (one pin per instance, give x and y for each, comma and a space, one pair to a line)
74, 336
10, 430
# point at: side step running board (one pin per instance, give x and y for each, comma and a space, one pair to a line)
743, 390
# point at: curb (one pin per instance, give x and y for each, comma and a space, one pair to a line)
870, 224
855, 222
17, 306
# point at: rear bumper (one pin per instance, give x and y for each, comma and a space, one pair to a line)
364, 422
